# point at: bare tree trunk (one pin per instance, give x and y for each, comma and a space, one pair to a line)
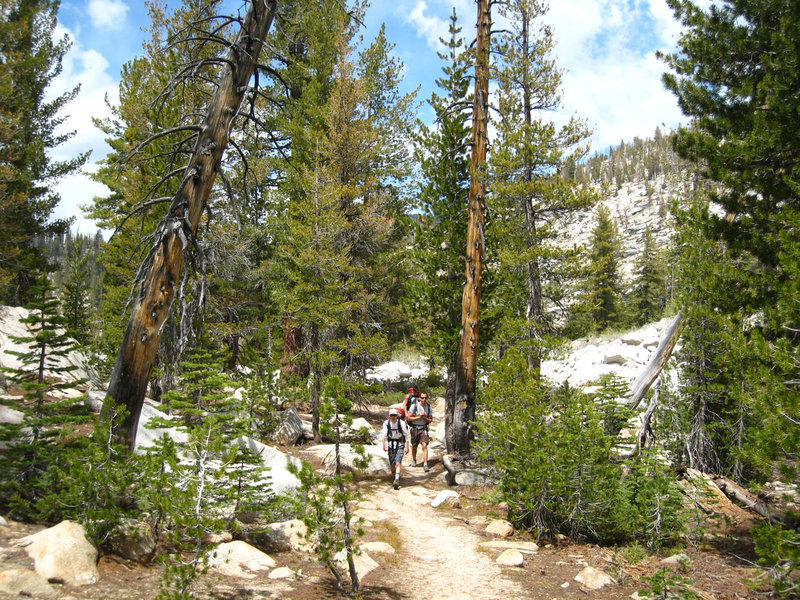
161, 271
460, 404
292, 343
653, 369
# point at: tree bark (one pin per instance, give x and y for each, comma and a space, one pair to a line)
292, 345
460, 404
161, 270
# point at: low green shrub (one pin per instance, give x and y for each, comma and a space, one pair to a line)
553, 457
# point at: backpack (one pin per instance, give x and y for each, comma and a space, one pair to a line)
398, 429
412, 400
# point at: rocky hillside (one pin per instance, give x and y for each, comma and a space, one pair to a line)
637, 182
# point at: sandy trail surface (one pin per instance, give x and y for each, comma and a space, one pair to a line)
439, 556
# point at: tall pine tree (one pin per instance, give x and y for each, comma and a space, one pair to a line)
31, 60
440, 235
604, 282
735, 74
530, 192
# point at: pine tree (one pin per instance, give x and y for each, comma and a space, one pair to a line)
719, 375
75, 297
529, 193
440, 235
735, 74
604, 281
31, 61
33, 444
336, 249
212, 476
552, 451
648, 297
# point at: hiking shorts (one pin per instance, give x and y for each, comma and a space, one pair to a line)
396, 454
419, 435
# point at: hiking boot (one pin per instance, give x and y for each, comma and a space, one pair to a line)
427, 468
396, 484
414, 463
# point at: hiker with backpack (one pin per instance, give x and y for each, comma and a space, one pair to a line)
419, 416
412, 397
395, 441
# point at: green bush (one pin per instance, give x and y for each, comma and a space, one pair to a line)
779, 551
553, 458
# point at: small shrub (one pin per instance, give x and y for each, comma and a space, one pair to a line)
665, 584
553, 456
634, 553
779, 552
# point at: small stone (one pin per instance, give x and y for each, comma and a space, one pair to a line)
565, 585
500, 528
3, 522
62, 553
380, 547
675, 559
447, 499
593, 579
511, 557
239, 559
363, 562
132, 539
281, 573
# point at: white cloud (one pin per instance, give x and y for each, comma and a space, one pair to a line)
609, 79
107, 14
666, 24
433, 27
89, 69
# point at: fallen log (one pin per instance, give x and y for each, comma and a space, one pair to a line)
743, 497
656, 364
708, 497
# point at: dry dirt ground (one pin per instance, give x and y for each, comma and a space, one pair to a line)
437, 558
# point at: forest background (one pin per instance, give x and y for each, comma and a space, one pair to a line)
337, 234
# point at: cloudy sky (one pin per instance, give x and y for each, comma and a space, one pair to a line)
606, 48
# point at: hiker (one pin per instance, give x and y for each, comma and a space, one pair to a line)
395, 441
419, 417
412, 397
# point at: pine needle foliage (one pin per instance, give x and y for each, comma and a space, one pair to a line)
211, 475
440, 235
604, 278
531, 191
327, 500
30, 134
553, 457
33, 444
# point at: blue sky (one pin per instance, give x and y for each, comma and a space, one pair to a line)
605, 47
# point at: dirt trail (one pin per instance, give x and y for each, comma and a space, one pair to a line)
438, 556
